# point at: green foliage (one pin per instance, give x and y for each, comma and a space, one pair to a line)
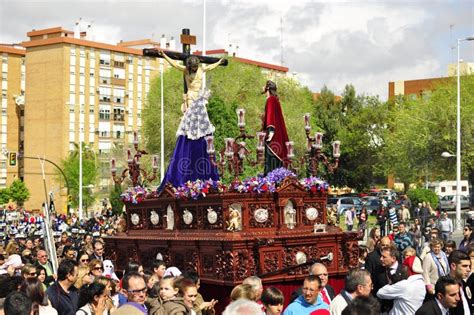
70, 166
18, 192
4, 196
419, 195
117, 204
421, 129
358, 122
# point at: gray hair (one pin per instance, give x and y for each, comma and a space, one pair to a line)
243, 307
254, 281
355, 278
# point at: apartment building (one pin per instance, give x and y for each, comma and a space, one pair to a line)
423, 87
79, 90
13, 91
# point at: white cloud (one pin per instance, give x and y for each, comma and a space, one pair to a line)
366, 43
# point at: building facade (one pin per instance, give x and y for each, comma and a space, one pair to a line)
12, 118
79, 91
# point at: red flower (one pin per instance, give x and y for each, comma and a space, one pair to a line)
205, 190
264, 187
313, 189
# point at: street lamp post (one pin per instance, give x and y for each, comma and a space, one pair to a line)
458, 140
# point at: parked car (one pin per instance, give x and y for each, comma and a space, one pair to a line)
372, 204
345, 203
449, 202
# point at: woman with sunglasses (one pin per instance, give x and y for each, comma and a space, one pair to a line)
96, 268
82, 259
468, 238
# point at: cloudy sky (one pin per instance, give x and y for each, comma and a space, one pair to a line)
333, 43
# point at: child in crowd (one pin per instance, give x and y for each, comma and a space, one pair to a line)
272, 299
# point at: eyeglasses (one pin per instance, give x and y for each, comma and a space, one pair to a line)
97, 268
84, 260
144, 290
32, 274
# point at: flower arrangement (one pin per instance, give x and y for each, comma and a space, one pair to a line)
261, 184
198, 189
314, 184
136, 194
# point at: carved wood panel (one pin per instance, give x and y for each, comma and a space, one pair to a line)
161, 218
270, 222
312, 252
194, 213
207, 214
207, 263
318, 207
271, 261
136, 219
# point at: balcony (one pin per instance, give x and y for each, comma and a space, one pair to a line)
118, 82
119, 64
119, 117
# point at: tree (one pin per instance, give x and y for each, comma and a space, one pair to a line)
358, 122
117, 204
4, 196
422, 128
18, 192
70, 166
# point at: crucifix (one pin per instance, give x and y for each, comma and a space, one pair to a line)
187, 40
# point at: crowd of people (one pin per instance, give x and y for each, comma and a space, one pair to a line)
399, 273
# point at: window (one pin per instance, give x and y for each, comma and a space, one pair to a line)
453, 188
463, 188
104, 114
443, 189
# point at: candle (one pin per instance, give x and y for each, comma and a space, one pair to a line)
129, 156
241, 117
260, 141
113, 168
289, 148
308, 144
229, 147
210, 144
307, 126
155, 162
336, 149
242, 150
135, 137
318, 140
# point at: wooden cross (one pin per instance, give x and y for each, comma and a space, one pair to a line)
187, 40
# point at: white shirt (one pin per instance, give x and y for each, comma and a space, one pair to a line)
407, 295
338, 304
443, 309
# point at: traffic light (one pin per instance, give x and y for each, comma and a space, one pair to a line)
69, 199
12, 158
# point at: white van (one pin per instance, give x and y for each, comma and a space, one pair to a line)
448, 187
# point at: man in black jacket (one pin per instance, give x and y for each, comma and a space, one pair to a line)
374, 266
62, 294
446, 298
459, 264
